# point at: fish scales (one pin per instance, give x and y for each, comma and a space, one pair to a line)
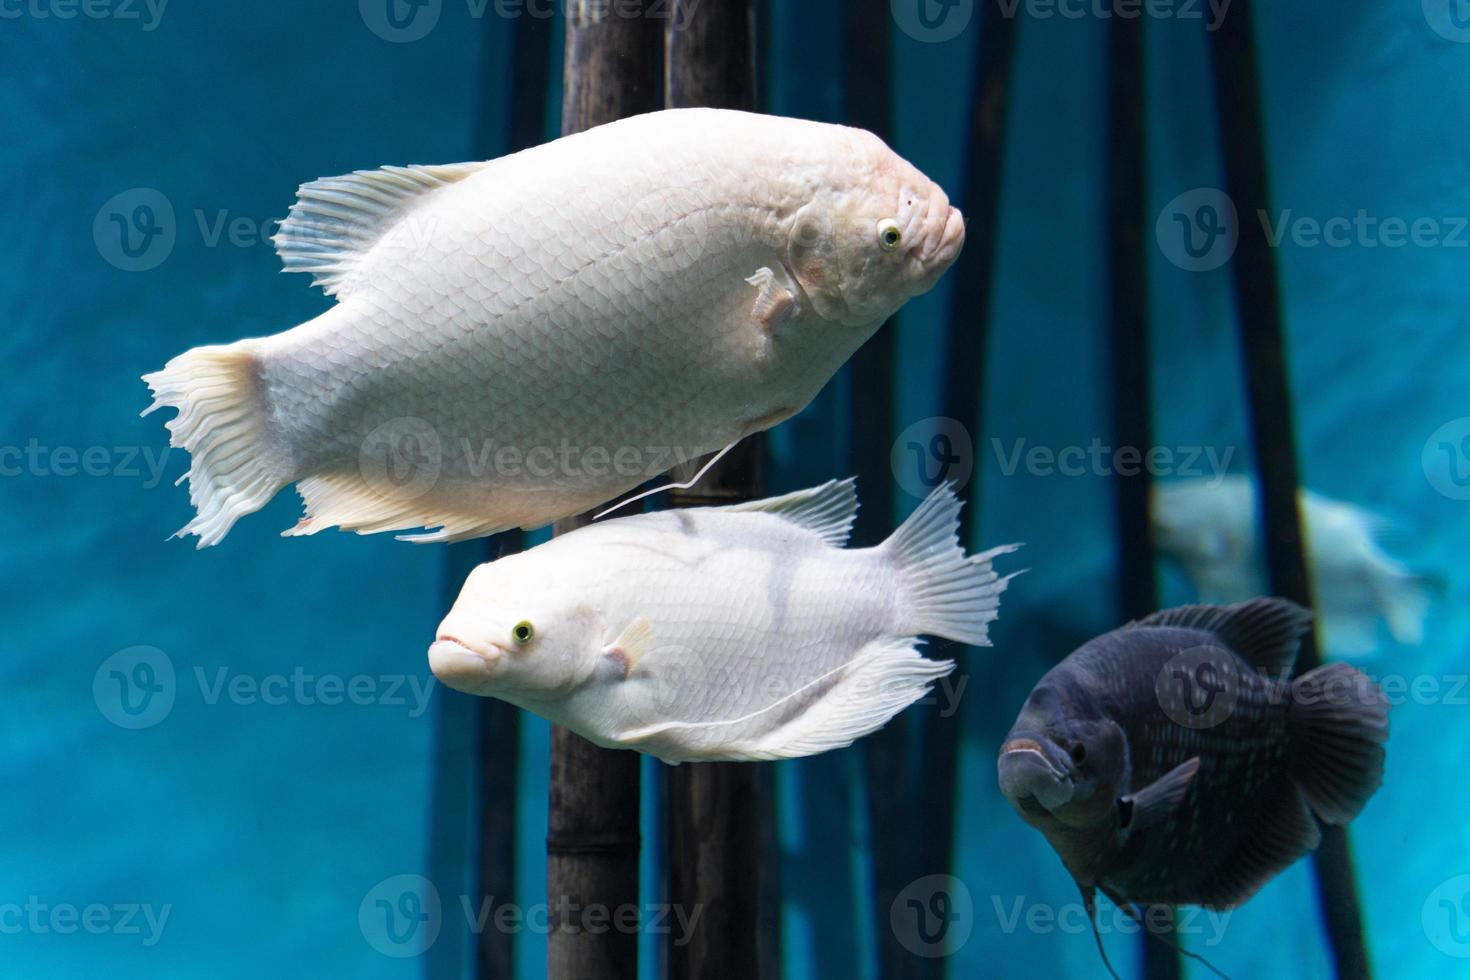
659, 288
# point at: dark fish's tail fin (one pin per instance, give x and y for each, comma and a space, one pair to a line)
1337, 724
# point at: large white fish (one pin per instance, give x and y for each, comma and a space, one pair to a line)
1210, 529
523, 339
729, 633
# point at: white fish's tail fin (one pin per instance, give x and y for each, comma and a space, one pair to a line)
947, 594
1405, 601
235, 469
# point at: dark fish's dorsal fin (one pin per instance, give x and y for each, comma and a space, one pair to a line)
1264, 632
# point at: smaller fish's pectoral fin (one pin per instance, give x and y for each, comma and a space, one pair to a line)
630, 646
776, 303
1154, 803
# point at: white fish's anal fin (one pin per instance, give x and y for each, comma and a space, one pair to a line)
337, 220
885, 677
350, 502
776, 302
628, 649
828, 510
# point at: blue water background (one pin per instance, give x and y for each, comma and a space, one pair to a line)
262, 827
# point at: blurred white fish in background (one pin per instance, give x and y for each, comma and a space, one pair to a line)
1210, 530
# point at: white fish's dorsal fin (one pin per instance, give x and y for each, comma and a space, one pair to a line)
828, 510
337, 220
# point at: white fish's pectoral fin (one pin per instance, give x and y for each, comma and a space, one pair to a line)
628, 649
828, 510
776, 302
337, 220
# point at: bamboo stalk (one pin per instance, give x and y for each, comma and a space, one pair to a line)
1132, 388
1263, 349
966, 335
614, 57
716, 814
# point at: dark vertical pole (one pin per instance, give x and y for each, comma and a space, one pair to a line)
715, 811
966, 336
500, 723
867, 54
614, 68
1132, 390
1263, 348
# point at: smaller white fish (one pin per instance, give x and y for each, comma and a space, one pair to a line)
1210, 530
722, 633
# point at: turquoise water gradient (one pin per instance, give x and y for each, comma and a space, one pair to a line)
260, 819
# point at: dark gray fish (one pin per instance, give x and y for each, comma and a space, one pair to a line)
1173, 762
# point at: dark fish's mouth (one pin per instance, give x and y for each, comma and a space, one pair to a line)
1032, 749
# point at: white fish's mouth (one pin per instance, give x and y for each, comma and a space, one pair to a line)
456, 663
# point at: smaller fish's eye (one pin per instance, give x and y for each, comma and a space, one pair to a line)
1078, 753
890, 236
523, 632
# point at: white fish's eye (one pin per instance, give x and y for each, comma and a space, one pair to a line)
523, 632
890, 235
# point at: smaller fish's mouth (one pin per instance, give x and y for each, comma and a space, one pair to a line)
453, 643
1031, 777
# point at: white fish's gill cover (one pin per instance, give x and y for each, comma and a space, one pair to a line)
646, 291
724, 633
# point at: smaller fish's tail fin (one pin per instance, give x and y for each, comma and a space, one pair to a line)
1337, 724
947, 594
223, 424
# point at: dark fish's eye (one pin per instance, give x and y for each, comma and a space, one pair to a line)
1078, 753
